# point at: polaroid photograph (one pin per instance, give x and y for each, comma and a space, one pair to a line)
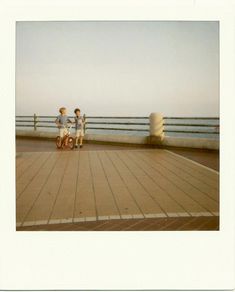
86, 161
118, 171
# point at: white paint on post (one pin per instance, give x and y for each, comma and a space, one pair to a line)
156, 126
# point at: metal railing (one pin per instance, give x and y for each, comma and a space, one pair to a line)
187, 125
192, 127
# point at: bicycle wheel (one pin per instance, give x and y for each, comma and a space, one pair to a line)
71, 143
58, 142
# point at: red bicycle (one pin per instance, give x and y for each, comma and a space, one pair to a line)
66, 141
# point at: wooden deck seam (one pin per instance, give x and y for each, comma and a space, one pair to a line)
129, 184
114, 198
187, 223
182, 190
168, 224
20, 159
186, 181
201, 174
139, 192
142, 191
201, 226
164, 212
22, 191
134, 199
38, 155
39, 193
186, 161
123, 197
105, 201
76, 187
170, 160
164, 190
92, 183
149, 227
66, 196
131, 226
192, 161
53, 206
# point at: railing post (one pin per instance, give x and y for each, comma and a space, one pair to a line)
35, 122
156, 128
84, 117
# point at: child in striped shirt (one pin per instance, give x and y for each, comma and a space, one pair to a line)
79, 125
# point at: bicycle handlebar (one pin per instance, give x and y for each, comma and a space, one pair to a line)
67, 126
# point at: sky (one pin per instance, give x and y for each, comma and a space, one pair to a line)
118, 68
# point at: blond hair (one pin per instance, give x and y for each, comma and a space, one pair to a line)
62, 109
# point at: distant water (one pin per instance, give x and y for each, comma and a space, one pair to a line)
145, 128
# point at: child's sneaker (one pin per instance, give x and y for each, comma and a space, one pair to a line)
76, 146
81, 145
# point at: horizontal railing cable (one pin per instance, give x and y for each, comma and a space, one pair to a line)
190, 125
116, 123
109, 123
113, 117
191, 118
192, 132
117, 129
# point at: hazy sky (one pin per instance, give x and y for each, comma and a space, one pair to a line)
118, 68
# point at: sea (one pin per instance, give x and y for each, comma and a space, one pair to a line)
212, 129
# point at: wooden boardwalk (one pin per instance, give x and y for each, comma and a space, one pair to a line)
80, 186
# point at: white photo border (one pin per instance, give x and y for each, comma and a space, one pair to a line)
117, 260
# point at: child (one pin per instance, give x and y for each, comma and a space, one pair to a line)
79, 124
61, 121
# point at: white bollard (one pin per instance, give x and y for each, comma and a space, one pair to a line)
156, 126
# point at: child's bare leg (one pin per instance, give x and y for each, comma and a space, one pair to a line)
81, 139
76, 141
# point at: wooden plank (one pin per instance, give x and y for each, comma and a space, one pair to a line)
211, 224
30, 173
196, 166
145, 202
43, 206
169, 205
191, 224
198, 196
214, 183
64, 204
105, 202
125, 202
187, 203
85, 198
174, 223
188, 182
80, 184
158, 222
29, 195
21, 157
27, 163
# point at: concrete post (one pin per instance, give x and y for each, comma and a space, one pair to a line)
156, 127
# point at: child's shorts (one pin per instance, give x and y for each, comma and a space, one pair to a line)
63, 132
79, 133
